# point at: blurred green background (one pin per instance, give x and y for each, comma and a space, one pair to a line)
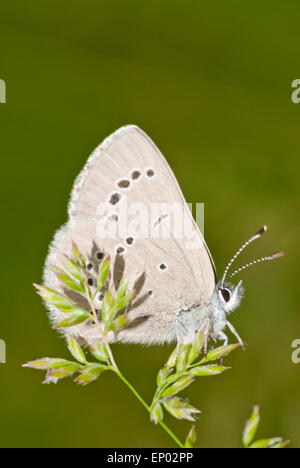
211, 84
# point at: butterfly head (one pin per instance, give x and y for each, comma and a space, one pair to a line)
229, 296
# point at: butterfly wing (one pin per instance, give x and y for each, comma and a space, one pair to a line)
126, 202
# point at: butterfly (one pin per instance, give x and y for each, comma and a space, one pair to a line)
173, 275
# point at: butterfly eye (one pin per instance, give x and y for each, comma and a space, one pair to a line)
226, 294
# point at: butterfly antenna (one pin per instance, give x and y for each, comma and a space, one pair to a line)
262, 259
253, 238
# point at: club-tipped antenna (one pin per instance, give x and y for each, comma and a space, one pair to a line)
253, 238
262, 259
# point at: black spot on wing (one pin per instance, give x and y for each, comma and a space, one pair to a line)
150, 173
114, 198
135, 175
125, 183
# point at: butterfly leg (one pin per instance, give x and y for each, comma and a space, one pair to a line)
214, 337
235, 333
223, 338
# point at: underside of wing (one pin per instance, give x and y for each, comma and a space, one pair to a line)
127, 203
